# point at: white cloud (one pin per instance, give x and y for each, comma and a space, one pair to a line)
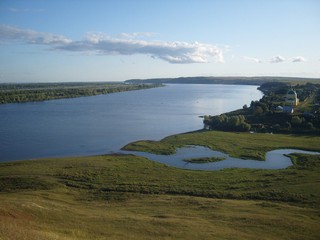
277, 59
173, 52
299, 59
9, 33
101, 44
252, 59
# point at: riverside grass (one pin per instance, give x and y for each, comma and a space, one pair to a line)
129, 197
240, 145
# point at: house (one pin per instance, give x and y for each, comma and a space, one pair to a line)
279, 109
288, 109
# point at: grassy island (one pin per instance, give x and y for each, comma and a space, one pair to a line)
204, 160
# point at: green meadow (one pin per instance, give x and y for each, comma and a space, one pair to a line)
130, 197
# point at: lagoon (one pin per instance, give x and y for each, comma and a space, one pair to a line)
105, 123
275, 159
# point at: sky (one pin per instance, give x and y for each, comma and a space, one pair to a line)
116, 40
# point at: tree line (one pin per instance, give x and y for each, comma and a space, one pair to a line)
228, 123
19, 93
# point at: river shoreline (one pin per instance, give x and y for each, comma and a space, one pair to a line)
182, 158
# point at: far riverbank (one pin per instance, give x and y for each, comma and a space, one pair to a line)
37, 92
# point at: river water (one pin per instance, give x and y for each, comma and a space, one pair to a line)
103, 124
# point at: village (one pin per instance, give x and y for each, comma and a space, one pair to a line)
283, 109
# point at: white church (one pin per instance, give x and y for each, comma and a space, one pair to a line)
291, 98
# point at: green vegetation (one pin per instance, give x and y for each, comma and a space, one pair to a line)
31, 92
229, 123
124, 196
240, 145
155, 147
264, 116
204, 160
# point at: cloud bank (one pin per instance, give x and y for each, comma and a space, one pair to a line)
100, 44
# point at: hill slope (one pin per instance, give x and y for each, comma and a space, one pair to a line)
223, 80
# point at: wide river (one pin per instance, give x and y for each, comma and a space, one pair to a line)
105, 123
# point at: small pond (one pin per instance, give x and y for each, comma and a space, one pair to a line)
275, 159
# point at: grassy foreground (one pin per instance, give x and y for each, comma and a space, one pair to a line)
129, 197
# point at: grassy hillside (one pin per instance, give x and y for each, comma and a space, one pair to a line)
57, 215
129, 197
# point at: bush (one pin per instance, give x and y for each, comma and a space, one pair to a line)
296, 121
224, 122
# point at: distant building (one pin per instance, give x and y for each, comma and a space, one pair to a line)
291, 98
279, 109
288, 109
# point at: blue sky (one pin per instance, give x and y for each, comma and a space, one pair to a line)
96, 40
